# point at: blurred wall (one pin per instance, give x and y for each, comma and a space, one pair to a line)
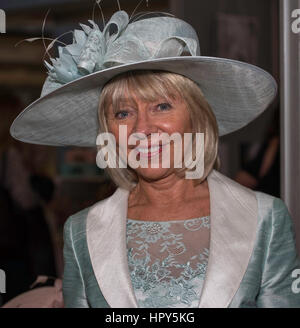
203, 15
290, 114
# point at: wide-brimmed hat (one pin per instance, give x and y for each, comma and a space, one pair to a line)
67, 111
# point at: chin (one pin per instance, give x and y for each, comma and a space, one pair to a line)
153, 174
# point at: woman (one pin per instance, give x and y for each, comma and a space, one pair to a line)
162, 239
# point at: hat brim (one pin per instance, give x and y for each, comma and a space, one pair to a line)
237, 92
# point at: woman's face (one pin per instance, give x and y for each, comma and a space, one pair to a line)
146, 118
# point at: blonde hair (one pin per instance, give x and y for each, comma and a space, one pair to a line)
148, 85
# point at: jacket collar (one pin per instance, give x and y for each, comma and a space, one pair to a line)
233, 212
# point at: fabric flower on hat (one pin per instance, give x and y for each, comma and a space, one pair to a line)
87, 52
94, 50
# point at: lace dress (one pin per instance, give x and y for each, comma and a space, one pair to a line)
167, 261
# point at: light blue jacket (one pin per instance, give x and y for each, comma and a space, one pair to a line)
251, 261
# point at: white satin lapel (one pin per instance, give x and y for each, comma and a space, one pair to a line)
106, 238
234, 215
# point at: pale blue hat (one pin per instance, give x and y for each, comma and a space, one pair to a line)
66, 112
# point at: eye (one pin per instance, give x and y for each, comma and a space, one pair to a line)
164, 106
121, 115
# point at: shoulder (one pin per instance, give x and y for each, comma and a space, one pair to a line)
227, 191
272, 207
267, 204
76, 223
75, 232
274, 219
269, 208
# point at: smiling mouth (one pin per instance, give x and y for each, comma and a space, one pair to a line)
149, 152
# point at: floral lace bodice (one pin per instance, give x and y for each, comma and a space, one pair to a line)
167, 261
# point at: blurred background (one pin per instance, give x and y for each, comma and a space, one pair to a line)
41, 186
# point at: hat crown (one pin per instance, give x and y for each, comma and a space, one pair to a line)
154, 33
94, 50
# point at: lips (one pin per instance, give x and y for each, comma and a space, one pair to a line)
148, 152
151, 149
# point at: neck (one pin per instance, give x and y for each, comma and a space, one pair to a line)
166, 191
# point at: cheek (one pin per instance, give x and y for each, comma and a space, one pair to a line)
181, 124
186, 121
120, 133
113, 127
115, 133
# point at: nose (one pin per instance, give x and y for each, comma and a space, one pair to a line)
144, 124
